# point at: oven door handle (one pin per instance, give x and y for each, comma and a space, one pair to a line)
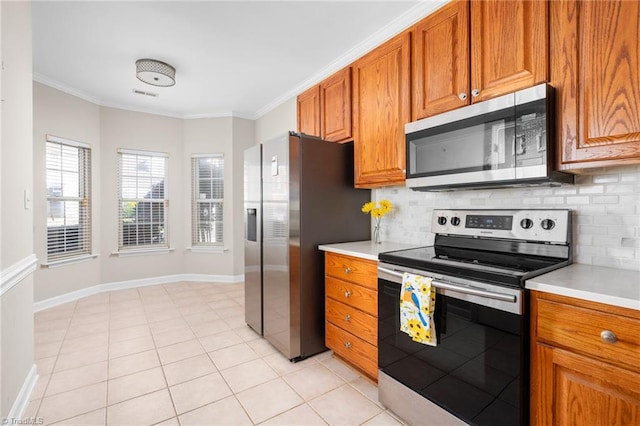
453, 287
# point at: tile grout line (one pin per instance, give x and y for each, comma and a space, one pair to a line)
236, 330
175, 410
53, 368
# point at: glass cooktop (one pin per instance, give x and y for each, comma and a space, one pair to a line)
498, 267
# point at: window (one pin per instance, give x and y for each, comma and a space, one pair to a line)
68, 165
143, 202
207, 200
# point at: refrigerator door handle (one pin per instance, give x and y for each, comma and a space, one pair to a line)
252, 224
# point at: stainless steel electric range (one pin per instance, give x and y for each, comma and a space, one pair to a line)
478, 373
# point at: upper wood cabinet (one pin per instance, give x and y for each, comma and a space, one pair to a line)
441, 61
509, 46
335, 106
595, 69
308, 107
473, 51
381, 107
325, 109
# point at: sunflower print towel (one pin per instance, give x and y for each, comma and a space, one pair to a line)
417, 301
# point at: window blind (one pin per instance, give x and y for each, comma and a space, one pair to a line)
68, 180
207, 200
143, 202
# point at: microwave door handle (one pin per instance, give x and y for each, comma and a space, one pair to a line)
453, 287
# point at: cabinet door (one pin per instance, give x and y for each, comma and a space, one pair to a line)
382, 106
595, 67
509, 46
309, 111
335, 106
568, 389
441, 61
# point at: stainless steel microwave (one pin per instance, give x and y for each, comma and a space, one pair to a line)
503, 142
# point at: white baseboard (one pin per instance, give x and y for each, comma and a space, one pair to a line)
123, 285
17, 272
22, 400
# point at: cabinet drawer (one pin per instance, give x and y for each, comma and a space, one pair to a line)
579, 329
359, 271
353, 349
353, 295
353, 320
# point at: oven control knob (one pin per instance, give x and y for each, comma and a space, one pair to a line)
547, 224
442, 220
526, 223
455, 221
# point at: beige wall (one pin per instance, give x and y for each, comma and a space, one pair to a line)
16, 222
207, 136
277, 121
68, 117
229, 136
106, 130
146, 132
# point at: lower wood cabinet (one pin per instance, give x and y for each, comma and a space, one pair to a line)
351, 309
585, 362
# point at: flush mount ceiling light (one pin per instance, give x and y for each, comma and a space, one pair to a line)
156, 73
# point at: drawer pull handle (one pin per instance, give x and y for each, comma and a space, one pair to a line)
347, 317
347, 294
347, 270
347, 345
608, 336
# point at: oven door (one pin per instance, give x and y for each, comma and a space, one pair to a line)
479, 369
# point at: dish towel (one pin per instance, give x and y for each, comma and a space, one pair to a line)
417, 302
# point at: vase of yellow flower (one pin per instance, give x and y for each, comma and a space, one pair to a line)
377, 210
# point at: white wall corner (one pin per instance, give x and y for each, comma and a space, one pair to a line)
22, 400
17, 272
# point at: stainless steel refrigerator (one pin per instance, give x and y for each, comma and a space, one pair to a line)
298, 194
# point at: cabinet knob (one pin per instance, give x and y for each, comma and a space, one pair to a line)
347, 293
462, 96
475, 93
347, 317
608, 336
347, 345
347, 270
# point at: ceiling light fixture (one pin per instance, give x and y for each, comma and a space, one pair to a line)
156, 73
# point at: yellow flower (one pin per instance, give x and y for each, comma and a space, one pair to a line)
415, 329
379, 209
386, 206
367, 207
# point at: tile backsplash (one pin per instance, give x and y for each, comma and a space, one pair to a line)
605, 204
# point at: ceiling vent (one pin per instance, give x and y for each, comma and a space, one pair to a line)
142, 92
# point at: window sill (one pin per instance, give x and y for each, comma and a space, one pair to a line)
207, 249
142, 252
69, 261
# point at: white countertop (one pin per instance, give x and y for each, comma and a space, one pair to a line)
618, 287
364, 249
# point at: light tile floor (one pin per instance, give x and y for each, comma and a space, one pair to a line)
181, 354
